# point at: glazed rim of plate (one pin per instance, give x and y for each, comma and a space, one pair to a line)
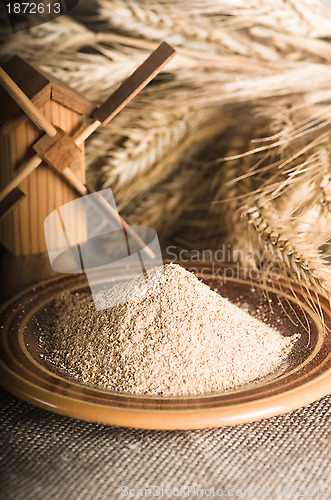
303, 378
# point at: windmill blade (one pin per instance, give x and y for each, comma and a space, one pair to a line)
10, 201
135, 83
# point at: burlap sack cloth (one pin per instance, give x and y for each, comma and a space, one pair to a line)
49, 457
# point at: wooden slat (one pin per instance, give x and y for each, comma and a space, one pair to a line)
39, 182
135, 83
8, 222
60, 119
13, 243
27, 237
70, 99
74, 121
31, 208
5, 159
55, 182
34, 84
11, 200
70, 122
55, 188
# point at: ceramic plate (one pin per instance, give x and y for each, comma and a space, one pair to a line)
304, 377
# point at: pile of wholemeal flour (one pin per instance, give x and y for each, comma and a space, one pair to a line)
181, 338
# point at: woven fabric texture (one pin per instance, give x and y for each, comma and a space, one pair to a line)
48, 457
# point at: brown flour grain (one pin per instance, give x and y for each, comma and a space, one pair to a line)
181, 338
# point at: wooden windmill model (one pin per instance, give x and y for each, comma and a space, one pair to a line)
42, 146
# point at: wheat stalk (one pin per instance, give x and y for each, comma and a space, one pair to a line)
146, 141
55, 48
286, 206
250, 84
219, 26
